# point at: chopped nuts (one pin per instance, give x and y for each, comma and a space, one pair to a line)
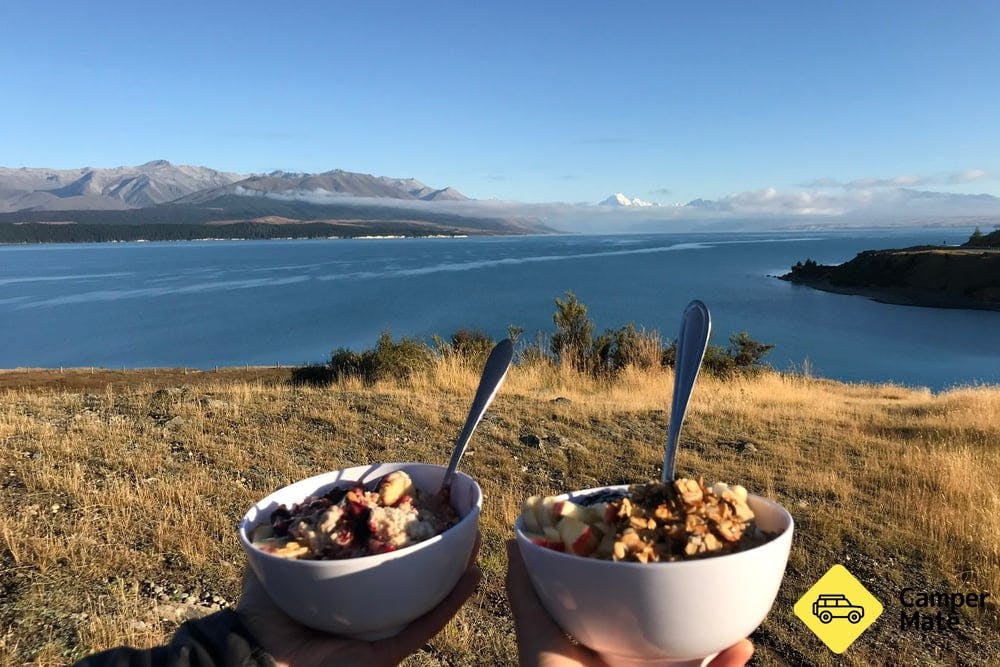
690, 490
656, 522
683, 519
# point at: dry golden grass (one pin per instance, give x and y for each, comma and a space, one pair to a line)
106, 494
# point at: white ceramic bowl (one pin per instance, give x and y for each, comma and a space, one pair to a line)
370, 597
658, 613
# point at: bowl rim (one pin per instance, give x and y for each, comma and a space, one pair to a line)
244, 527
692, 562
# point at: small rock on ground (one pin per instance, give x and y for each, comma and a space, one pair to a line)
530, 439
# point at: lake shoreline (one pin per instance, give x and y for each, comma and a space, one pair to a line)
966, 277
895, 296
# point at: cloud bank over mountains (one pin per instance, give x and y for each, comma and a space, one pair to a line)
761, 209
823, 202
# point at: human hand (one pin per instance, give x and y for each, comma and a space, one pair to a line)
293, 645
542, 643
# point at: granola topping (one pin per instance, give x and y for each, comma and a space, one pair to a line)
651, 523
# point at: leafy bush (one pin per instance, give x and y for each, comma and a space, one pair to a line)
389, 359
317, 375
573, 340
717, 362
743, 355
635, 347
401, 359
745, 351
609, 352
345, 363
472, 345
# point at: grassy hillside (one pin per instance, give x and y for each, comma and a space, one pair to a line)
118, 504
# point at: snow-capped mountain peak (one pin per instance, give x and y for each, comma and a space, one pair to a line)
618, 199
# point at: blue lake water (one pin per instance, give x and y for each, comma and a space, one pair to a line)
207, 304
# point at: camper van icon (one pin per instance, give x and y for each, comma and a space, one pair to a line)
828, 607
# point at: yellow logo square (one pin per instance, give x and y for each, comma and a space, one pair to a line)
838, 608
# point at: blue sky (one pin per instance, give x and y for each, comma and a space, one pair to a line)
538, 102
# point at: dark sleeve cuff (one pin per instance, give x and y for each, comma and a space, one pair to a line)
217, 640
222, 640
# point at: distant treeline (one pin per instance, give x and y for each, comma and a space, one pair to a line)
102, 233
980, 240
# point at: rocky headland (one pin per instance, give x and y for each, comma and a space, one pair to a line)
966, 276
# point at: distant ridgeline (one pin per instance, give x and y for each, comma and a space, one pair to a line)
967, 276
232, 217
96, 233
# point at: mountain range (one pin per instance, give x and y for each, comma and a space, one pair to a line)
209, 203
160, 182
162, 201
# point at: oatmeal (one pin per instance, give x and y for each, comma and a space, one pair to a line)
352, 521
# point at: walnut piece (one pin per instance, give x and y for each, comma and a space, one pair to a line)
683, 519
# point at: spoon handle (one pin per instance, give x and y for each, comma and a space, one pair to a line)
494, 373
696, 325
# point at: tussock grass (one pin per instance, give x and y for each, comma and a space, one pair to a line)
107, 493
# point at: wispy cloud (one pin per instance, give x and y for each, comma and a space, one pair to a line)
770, 201
971, 176
659, 191
904, 180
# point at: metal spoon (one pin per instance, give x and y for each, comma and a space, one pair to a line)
696, 325
494, 373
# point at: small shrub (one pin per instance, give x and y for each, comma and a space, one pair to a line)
635, 347
717, 362
345, 363
472, 345
743, 355
746, 352
389, 360
573, 340
316, 375
597, 359
399, 360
